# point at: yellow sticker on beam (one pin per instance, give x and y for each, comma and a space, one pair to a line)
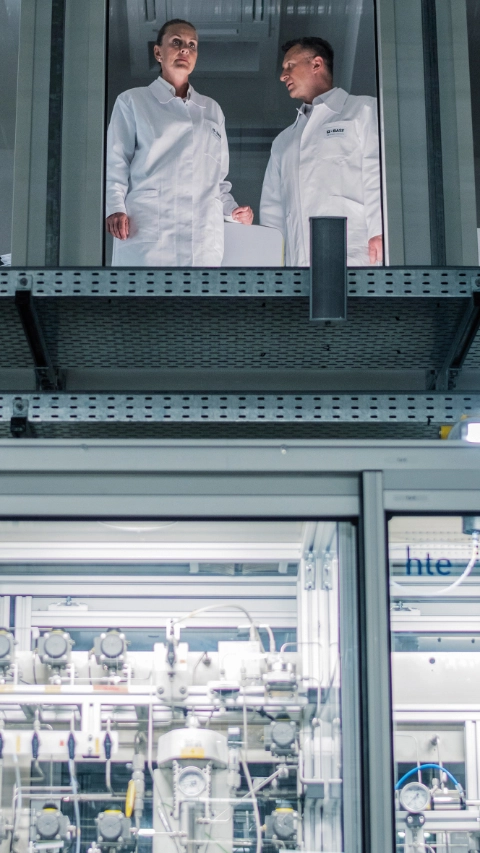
192, 752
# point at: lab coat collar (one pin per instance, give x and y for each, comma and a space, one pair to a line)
165, 92
334, 99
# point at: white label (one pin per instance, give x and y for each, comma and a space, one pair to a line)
332, 132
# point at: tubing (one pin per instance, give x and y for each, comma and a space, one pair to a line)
428, 767
74, 784
473, 559
251, 790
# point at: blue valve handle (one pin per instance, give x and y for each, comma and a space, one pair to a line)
35, 746
107, 745
71, 746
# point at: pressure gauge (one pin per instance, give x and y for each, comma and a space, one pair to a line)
415, 797
191, 782
112, 644
56, 644
48, 823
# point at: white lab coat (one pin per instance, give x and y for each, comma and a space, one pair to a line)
326, 165
167, 162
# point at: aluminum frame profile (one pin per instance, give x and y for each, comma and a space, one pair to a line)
237, 408
223, 282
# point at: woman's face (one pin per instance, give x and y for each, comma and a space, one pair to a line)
178, 50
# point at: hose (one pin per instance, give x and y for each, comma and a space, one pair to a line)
17, 801
74, 786
446, 589
428, 767
243, 761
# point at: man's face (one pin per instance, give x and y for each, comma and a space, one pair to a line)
301, 72
178, 49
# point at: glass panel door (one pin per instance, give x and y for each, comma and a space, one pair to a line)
171, 686
435, 624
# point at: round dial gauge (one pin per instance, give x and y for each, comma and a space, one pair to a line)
415, 797
191, 782
56, 645
112, 645
48, 824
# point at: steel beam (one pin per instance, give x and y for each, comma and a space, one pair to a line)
460, 346
366, 282
241, 408
46, 375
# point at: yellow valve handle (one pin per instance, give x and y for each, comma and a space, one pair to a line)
130, 798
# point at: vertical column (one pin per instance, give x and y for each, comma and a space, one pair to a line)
476, 771
471, 759
434, 133
23, 622
83, 130
31, 135
426, 130
57, 42
350, 694
376, 690
457, 134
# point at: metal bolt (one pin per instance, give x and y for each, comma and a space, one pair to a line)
182, 691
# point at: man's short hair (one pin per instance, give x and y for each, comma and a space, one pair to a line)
319, 47
171, 23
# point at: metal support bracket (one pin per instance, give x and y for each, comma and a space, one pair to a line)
48, 378
326, 567
460, 346
19, 424
328, 268
310, 565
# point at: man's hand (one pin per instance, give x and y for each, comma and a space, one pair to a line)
118, 225
243, 215
375, 249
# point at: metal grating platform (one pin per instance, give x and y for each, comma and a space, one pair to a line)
284, 431
218, 334
233, 330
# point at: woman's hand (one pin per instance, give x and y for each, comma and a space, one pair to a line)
243, 215
118, 225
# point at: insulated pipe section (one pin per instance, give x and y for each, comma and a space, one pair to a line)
328, 268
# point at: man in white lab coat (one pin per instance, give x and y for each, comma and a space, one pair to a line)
167, 163
325, 164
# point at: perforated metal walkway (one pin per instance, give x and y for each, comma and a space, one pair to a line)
234, 349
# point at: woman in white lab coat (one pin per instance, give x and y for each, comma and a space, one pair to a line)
167, 161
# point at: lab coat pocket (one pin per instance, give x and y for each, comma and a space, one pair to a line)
338, 140
143, 212
213, 140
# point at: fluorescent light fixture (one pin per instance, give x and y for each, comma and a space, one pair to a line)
467, 429
471, 432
